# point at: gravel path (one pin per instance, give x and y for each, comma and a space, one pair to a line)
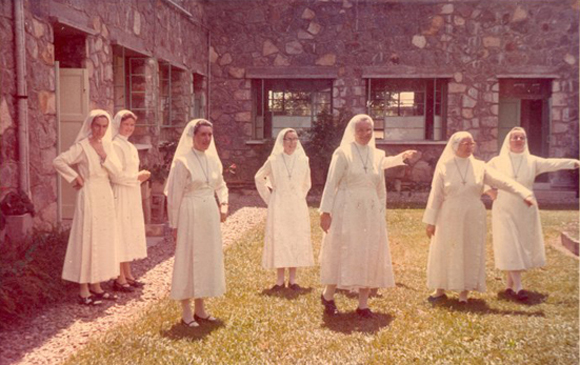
61, 330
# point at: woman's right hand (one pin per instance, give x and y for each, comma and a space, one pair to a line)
325, 222
78, 183
492, 193
143, 175
430, 230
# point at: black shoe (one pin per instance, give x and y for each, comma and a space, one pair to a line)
135, 283
329, 306
89, 301
509, 293
432, 299
364, 313
206, 319
277, 287
125, 288
191, 324
104, 295
295, 287
522, 296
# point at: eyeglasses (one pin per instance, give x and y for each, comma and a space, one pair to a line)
290, 139
467, 143
518, 138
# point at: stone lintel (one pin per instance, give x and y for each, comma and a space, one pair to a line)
59, 19
126, 40
529, 76
306, 72
403, 72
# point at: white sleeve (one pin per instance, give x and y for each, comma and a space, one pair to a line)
175, 189
436, 198
336, 172
260, 180
123, 177
392, 161
62, 163
554, 164
495, 178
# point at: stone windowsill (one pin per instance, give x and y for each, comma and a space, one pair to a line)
378, 142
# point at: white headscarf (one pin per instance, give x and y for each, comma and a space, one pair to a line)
107, 140
86, 131
505, 147
186, 145
117, 121
349, 132
450, 150
278, 150
279, 145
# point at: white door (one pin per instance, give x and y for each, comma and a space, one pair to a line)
73, 107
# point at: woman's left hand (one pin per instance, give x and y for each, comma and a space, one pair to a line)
530, 201
223, 216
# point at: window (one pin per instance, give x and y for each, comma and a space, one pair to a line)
408, 109
289, 104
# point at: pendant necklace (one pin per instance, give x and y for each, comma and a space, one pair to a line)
289, 171
365, 161
205, 172
463, 176
516, 172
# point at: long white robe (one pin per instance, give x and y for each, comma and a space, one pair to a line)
518, 241
287, 239
355, 251
127, 191
91, 254
457, 252
198, 271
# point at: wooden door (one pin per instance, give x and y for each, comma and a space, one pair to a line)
73, 107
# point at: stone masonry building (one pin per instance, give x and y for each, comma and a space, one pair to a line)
422, 69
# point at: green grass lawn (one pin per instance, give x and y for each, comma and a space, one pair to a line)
262, 328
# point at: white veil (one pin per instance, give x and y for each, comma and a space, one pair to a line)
185, 145
349, 132
86, 132
117, 121
505, 147
451, 148
107, 140
279, 145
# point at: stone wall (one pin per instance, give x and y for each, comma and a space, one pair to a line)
153, 28
473, 42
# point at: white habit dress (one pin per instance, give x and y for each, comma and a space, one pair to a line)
287, 239
355, 251
457, 252
198, 271
127, 191
518, 241
91, 255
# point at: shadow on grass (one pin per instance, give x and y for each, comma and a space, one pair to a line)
350, 322
286, 293
180, 332
534, 298
479, 306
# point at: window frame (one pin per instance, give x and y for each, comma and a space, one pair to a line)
431, 106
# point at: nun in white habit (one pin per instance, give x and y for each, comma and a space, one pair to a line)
355, 249
92, 251
283, 183
456, 218
518, 241
127, 191
194, 181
